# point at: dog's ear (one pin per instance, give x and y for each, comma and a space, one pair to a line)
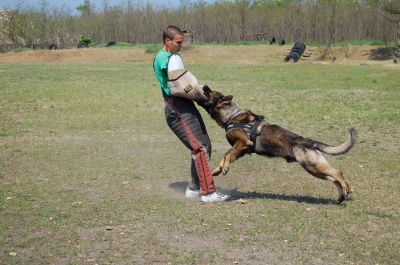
228, 98
207, 90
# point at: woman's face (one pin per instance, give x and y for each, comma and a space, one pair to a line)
175, 45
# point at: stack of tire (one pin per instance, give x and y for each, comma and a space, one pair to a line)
272, 41
53, 46
296, 52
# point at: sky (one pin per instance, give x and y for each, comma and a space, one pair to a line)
98, 3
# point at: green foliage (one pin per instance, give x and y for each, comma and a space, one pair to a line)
283, 3
239, 42
22, 49
151, 48
278, 3
84, 42
85, 8
4, 133
117, 44
360, 42
124, 44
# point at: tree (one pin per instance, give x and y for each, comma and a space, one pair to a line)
312, 21
393, 9
43, 23
85, 8
331, 27
243, 7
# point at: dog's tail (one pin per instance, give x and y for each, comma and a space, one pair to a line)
333, 150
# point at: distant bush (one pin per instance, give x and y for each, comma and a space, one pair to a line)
84, 42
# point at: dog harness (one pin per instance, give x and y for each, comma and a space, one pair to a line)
250, 128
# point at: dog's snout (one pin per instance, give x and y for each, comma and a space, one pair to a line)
207, 91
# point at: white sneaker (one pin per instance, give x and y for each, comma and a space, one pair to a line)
192, 194
215, 197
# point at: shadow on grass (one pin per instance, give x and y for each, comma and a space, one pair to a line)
235, 195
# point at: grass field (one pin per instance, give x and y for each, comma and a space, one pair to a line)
91, 174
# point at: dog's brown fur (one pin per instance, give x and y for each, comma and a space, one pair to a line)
275, 141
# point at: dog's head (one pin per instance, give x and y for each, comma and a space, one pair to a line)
215, 99
219, 106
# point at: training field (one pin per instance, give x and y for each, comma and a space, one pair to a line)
91, 174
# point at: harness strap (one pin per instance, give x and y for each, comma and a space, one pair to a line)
238, 125
251, 128
253, 132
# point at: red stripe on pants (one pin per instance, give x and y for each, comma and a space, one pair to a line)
203, 169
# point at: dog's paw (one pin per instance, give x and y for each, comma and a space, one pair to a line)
346, 196
217, 171
225, 170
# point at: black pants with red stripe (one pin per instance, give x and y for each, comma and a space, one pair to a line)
185, 121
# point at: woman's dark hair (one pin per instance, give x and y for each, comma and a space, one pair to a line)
171, 31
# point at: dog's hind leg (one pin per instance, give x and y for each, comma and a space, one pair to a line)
317, 165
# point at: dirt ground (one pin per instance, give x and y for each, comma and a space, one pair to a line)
243, 54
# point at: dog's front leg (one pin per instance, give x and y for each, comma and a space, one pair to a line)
224, 164
238, 150
218, 170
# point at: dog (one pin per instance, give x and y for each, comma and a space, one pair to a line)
249, 133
